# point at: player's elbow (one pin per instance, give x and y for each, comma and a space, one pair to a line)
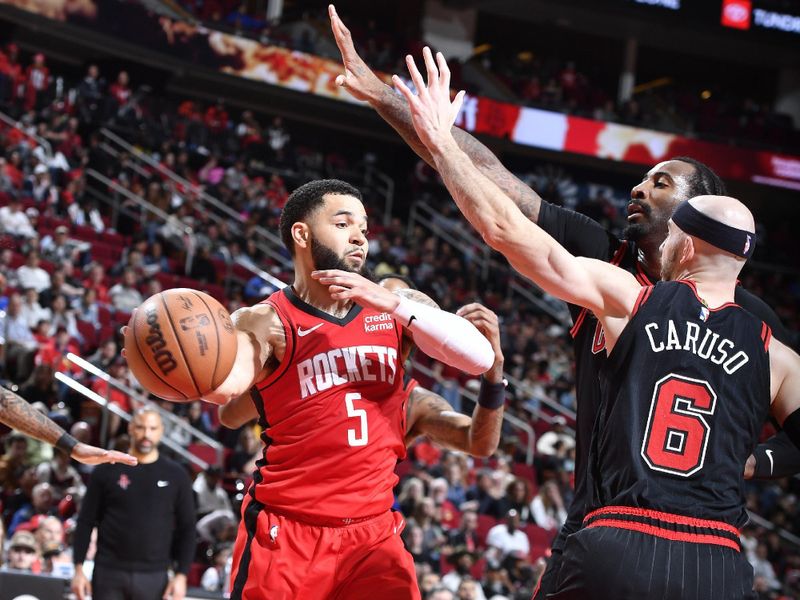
484, 449
495, 234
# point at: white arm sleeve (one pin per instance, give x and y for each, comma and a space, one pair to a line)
446, 337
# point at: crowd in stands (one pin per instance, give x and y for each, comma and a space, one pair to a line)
72, 268
542, 80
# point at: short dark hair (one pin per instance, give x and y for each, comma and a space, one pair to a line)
704, 181
403, 278
305, 200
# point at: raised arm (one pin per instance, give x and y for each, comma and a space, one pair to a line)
363, 84
17, 413
429, 414
259, 334
603, 288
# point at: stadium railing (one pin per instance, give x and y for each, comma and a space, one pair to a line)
139, 399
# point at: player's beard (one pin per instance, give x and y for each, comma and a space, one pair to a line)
325, 258
636, 231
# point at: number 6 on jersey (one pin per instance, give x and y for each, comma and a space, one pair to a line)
353, 437
676, 437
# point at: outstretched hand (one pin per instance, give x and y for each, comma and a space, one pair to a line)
487, 323
358, 78
432, 111
346, 285
91, 455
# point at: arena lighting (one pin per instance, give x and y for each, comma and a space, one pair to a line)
670, 4
736, 14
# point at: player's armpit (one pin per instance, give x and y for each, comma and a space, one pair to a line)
430, 415
260, 336
238, 411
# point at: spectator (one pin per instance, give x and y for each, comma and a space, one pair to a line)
763, 569
20, 345
32, 311
40, 386
124, 295
13, 463
466, 536
469, 589
463, 560
505, 538
13, 221
42, 498
145, 520
59, 247
217, 527
209, 493
548, 507
215, 578
105, 354
31, 274
96, 281
61, 475
22, 551
556, 442
440, 594
517, 496
414, 541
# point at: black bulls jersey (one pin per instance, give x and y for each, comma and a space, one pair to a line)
685, 393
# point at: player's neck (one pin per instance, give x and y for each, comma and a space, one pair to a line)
650, 259
317, 295
712, 289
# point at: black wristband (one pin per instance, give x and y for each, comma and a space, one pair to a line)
492, 395
66, 443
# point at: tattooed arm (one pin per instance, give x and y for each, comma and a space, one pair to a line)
429, 414
17, 413
363, 84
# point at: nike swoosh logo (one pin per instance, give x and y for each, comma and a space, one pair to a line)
162, 483
304, 332
771, 463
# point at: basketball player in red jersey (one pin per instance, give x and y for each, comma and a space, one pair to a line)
668, 491
324, 361
427, 413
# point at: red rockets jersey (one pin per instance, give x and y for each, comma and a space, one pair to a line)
334, 413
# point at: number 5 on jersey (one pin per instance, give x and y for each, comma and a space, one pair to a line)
676, 437
360, 436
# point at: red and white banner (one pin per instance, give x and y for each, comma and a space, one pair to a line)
307, 73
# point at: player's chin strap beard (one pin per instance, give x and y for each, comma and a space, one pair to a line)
730, 239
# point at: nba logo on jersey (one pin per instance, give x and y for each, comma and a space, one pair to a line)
704, 312
746, 245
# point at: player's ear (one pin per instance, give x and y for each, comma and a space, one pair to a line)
688, 250
301, 234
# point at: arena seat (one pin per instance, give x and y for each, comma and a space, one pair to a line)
485, 523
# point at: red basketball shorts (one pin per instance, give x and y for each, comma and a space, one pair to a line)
280, 558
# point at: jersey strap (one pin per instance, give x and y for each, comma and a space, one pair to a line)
766, 336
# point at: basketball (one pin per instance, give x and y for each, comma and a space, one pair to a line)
180, 344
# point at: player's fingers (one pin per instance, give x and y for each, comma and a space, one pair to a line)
401, 87
444, 71
457, 102
430, 66
341, 80
468, 308
416, 77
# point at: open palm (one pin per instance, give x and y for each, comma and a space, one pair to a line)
432, 111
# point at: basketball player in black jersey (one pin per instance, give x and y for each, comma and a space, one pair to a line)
689, 379
652, 202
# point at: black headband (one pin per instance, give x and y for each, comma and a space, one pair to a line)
733, 240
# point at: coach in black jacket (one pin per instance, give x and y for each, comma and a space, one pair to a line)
145, 518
